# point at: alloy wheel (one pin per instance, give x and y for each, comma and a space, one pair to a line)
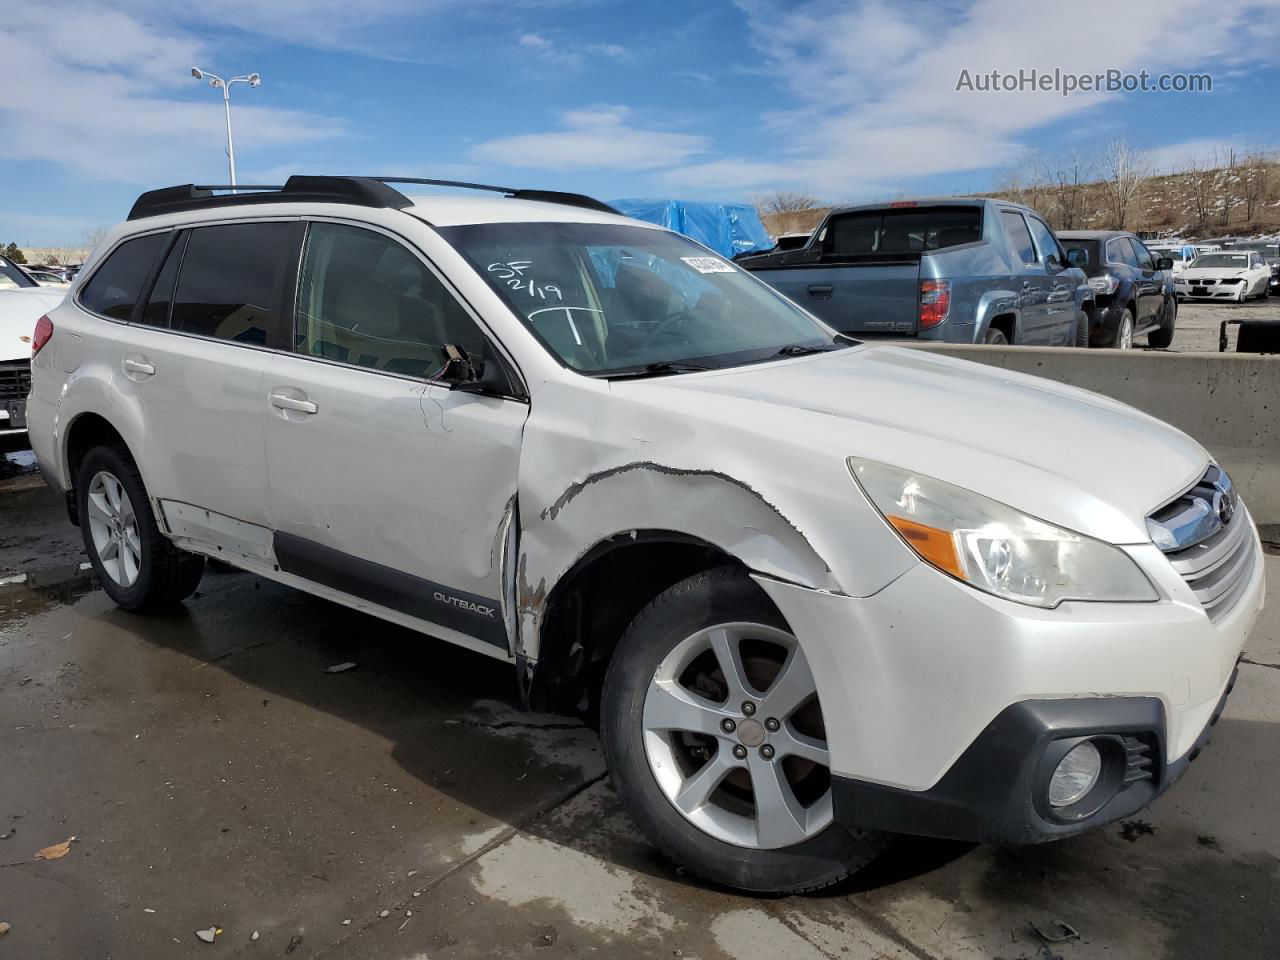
734, 737
113, 525
1124, 336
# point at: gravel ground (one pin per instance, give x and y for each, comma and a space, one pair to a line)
1197, 326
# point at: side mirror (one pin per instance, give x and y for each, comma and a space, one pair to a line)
468, 375
1164, 263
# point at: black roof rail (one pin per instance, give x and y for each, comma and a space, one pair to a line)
516, 193
362, 191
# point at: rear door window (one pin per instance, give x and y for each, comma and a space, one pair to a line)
906, 231
1046, 243
1142, 256
1019, 235
1120, 251
229, 279
115, 287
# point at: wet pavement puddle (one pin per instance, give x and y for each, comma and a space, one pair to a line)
24, 595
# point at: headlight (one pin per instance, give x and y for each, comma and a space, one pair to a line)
995, 548
1104, 284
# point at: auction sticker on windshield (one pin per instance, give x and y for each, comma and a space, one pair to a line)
708, 264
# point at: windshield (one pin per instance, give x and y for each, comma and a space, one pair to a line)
609, 298
1237, 260
11, 276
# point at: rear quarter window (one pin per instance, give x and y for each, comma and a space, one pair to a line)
115, 287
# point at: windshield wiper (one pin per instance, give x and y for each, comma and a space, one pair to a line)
660, 369
804, 349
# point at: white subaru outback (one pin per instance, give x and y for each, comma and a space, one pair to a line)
815, 591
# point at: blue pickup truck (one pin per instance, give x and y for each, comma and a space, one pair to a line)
961, 270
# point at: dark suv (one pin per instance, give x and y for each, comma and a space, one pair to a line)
1133, 289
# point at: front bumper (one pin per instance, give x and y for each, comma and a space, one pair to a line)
912, 678
13, 417
1213, 290
996, 792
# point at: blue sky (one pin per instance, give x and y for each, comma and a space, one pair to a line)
843, 99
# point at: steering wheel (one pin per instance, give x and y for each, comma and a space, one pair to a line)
670, 321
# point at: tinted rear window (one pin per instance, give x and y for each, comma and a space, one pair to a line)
903, 231
1081, 253
226, 288
114, 288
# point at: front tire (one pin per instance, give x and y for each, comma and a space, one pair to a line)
1162, 337
715, 741
137, 566
1083, 321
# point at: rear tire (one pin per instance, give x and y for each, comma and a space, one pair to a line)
995, 338
662, 684
137, 566
1123, 338
1163, 336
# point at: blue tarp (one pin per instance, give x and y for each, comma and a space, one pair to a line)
727, 228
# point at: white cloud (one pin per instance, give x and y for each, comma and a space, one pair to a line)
596, 137
1172, 157
874, 82
557, 52
535, 41
94, 90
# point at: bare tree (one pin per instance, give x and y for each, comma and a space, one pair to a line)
92, 237
785, 201
1027, 182
1070, 175
1256, 173
1199, 179
1224, 179
1124, 168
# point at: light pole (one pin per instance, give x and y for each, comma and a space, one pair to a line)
253, 80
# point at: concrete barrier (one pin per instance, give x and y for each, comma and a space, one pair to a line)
1230, 402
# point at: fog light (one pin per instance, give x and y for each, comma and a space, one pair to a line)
1075, 775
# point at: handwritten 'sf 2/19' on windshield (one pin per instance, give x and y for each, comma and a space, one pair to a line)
512, 273
708, 264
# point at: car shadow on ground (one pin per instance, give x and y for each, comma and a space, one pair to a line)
453, 717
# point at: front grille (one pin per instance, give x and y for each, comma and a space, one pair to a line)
1208, 537
15, 380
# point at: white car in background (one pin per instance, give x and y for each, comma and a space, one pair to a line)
47, 279
1181, 254
22, 303
1225, 276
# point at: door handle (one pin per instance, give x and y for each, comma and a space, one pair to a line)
139, 367
286, 402
1026, 284
821, 291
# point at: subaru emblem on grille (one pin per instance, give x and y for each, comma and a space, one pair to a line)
1224, 507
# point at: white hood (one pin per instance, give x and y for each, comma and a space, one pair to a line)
1212, 273
19, 311
1068, 456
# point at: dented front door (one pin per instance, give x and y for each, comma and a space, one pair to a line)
384, 483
